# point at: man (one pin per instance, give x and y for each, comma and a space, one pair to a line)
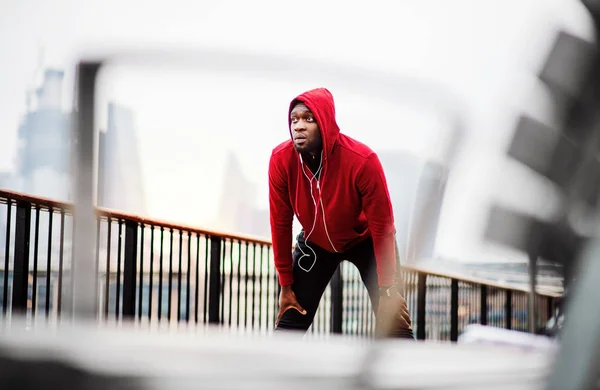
337, 189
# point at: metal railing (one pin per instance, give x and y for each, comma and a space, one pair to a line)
156, 273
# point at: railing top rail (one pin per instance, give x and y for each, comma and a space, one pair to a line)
114, 214
475, 280
36, 200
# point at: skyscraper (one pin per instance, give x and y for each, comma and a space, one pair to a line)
44, 145
416, 187
120, 182
238, 211
426, 211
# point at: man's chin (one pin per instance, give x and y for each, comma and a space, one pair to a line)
300, 148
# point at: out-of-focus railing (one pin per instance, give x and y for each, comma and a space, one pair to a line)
157, 273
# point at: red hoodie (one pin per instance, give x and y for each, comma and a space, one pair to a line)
353, 200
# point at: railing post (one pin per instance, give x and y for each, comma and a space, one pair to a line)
483, 308
130, 269
454, 310
337, 298
21, 265
6, 257
531, 309
508, 309
214, 292
421, 304
550, 306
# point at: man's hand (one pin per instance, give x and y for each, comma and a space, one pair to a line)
287, 301
393, 319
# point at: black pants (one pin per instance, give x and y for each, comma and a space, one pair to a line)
310, 286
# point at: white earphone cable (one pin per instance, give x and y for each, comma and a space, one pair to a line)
310, 180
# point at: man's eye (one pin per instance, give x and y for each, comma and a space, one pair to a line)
309, 119
294, 120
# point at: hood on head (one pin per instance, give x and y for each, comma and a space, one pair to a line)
320, 102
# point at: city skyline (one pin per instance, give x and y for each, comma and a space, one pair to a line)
120, 173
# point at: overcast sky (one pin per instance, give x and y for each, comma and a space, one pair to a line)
486, 53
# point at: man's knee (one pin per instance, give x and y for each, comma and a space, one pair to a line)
293, 320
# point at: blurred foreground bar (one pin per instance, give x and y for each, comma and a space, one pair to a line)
564, 152
84, 356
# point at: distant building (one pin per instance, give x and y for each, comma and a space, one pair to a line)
238, 211
416, 187
426, 211
120, 182
44, 142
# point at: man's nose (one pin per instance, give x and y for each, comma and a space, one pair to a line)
299, 126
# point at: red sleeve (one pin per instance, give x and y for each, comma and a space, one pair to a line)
282, 217
377, 207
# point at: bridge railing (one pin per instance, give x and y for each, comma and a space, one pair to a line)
159, 273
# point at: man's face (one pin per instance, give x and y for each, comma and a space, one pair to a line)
305, 130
